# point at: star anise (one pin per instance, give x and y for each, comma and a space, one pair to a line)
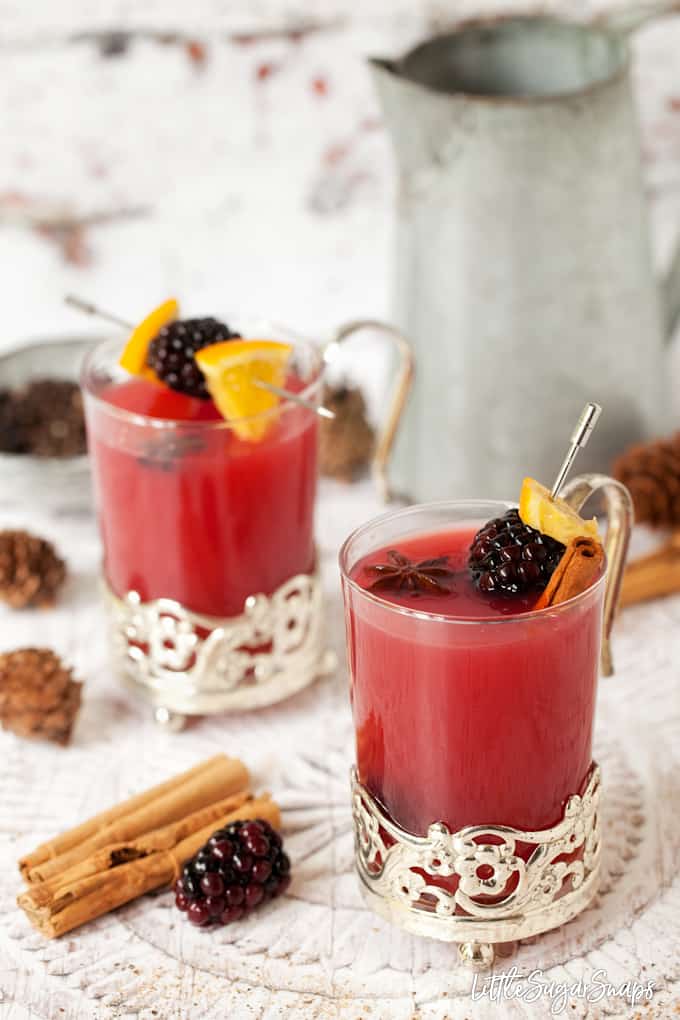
400, 574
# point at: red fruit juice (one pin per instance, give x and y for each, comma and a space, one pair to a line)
192, 512
470, 709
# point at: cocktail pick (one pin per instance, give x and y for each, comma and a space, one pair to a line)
86, 306
90, 309
323, 412
579, 437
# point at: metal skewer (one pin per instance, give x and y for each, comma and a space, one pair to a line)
579, 438
89, 309
323, 412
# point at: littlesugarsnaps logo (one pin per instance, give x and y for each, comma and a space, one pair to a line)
534, 986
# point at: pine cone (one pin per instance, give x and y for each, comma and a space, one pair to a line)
38, 696
44, 418
31, 573
12, 435
55, 422
346, 443
651, 472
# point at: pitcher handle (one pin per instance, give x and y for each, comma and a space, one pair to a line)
402, 387
619, 526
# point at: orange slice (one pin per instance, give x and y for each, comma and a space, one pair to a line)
552, 517
232, 368
133, 358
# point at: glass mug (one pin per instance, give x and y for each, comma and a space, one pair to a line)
475, 793
209, 558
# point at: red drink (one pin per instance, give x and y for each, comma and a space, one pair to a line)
468, 709
190, 512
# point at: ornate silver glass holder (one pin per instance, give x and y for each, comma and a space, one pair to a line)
185, 663
472, 886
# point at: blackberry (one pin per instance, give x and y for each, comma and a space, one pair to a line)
171, 353
240, 867
507, 557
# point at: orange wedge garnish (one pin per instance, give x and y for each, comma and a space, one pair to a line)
133, 358
232, 368
552, 517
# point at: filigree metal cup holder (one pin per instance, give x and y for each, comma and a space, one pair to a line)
473, 886
486, 884
185, 663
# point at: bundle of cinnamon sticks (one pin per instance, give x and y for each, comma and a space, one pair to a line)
136, 846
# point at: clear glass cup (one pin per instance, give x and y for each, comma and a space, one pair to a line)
210, 566
188, 510
475, 798
464, 720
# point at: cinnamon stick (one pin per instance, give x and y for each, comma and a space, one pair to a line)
94, 895
653, 576
41, 894
72, 837
581, 565
200, 787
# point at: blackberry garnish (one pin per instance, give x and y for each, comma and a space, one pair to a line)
171, 353
507, 557
240, 867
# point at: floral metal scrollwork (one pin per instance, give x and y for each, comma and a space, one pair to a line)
208, 663
478, 874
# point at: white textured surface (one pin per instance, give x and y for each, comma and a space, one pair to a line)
266, 195
318, 953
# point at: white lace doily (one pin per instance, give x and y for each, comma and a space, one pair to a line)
318, 952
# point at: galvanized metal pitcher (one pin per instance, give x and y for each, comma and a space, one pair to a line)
524, 273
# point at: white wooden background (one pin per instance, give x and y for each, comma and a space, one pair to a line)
238, 150
262, 176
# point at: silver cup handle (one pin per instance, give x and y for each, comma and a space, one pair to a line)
402, 385
619, 507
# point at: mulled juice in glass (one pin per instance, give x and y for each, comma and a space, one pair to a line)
206, 524
475, 792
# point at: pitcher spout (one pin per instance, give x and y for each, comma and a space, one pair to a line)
414, 115
383, 64
388, 84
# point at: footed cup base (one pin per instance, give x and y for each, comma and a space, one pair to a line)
185, 663
432, 885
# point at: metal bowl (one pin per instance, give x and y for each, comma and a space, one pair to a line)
59, 484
